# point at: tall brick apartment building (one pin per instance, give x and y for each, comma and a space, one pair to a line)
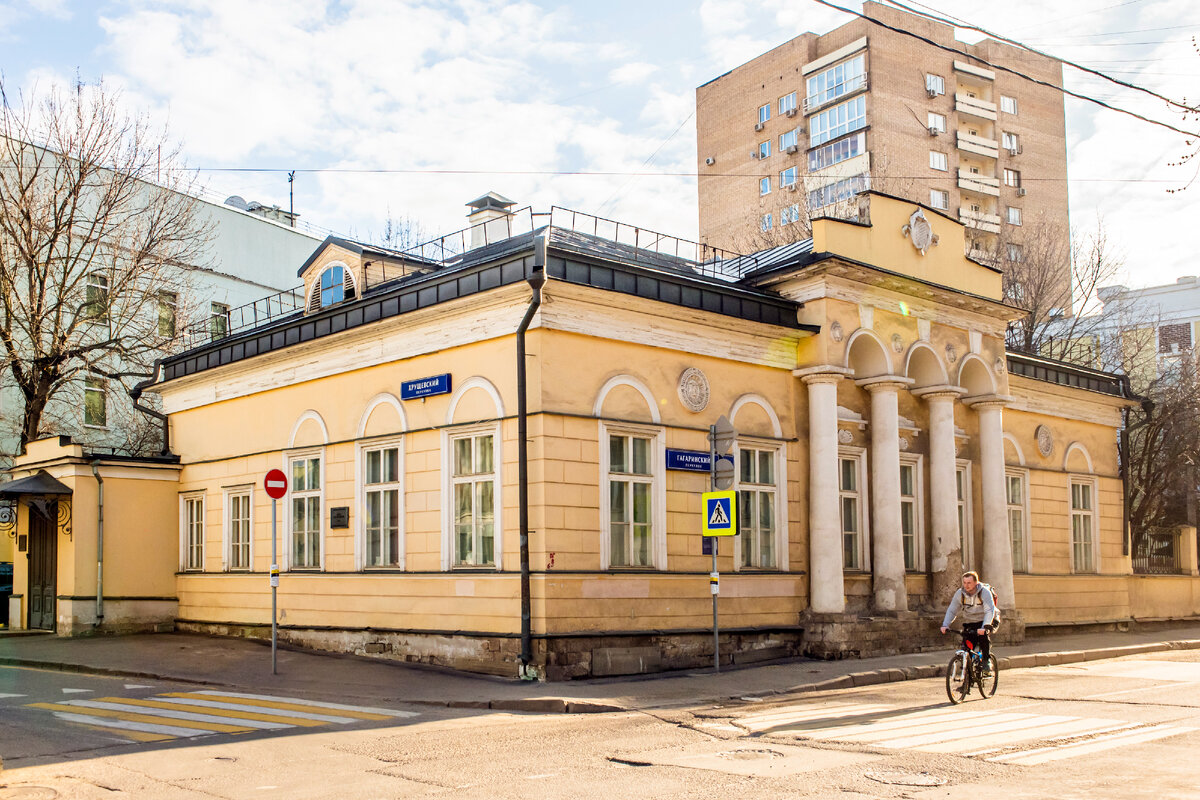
806, 126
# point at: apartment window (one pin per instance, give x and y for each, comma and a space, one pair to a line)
1016, 253
382, 499
910, 512
218, 320
938, 161
840, 79
1014, 215
764, 186
333, 286
837, 152
1018, 517
764, 149
962, 487
238, 528
1008, 104
787, 139
833, 123
789, 214
937, 122
757, 502
630, 500
837, 192
95, 403
765, 223
97, 297
1011, 142
851, 484
764, 113
474, 485
787, 177
1083, 526
167, 302
787, 103
939, 199
192, 531
305, 521
935, 84
1012, 177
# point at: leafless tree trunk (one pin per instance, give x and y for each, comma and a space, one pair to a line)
96, 228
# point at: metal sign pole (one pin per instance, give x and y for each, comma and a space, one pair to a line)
274, 588
714, 577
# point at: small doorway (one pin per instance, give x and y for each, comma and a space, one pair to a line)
43, 566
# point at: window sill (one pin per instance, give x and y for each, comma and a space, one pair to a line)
95, 427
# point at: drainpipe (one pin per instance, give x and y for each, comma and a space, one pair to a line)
136, 395
536, 280
99, 544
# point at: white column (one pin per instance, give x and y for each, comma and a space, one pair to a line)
887, 550
946, 539
826, 589
997, 547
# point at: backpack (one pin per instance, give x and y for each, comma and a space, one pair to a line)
995, 601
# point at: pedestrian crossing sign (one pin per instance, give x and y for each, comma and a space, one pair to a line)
720, 513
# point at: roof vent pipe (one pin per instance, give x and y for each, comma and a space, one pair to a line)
490, 219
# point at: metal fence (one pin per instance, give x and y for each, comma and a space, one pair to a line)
221, 324
1157, 553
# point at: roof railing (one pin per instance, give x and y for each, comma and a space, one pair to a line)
223, 324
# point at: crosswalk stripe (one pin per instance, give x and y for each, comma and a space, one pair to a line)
1040, 731
960, 732
170, 713
210, 727
365, 711
763, 721
137, 736
1126, 737
235, 712
126, 725
264, 707
890, 724
7, 696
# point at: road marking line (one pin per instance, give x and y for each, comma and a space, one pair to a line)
910, 720
1042, 731
207, 727
1172, 685
137, 736
76, 691
7, 696
263, 707
177, 713
957, 732
761, 721
124, 725
1136, 736
387, 712
1073, 734
138, 686
238, 712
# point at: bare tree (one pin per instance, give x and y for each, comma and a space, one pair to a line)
96, 221
401, 233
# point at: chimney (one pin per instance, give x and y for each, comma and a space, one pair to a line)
490, 219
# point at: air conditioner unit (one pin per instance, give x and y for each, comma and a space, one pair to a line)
758, 126
791, 148
1012, 151
1020, 191
754, 154
934, 130
710, 161
791, 112
791, 187
931, 91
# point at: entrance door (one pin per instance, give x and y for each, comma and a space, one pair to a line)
43, 567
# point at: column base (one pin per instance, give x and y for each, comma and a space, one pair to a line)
837, 636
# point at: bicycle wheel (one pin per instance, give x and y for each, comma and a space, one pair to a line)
958, 678
987, 686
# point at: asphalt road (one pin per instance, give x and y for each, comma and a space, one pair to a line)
1106, 729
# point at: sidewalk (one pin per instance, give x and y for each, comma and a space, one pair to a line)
245, 663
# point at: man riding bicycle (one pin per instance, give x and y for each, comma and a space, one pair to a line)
974, 601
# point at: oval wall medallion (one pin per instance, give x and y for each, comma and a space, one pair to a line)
693, 390
845, 436
951, 353
904, 443
1045, 440
897, 343
835, 331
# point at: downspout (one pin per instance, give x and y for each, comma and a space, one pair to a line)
136, 395
537, 279
99, 544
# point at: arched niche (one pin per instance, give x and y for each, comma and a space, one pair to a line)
626, 397
383, 415
475, 399
975, 377
924, 367
867, 355
309, 430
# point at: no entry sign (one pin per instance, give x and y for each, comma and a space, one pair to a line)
276, 484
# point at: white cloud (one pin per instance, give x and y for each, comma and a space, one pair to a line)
633, 72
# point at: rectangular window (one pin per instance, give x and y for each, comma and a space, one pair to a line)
1016, 253
833, 123
1008, 104
1017, 516
1012, 177
789, 214
935, 84
97, 297
1011, 142
382, 494
218, 321
167, 302
630, 489
837, 152
837, 192
939, 199
787, 139
764, 149
1082, 527
238, 504
937, 122
1014, 215
850, 490
840, 79
95, 403
764, 186
193, 532
938, 161
306, 516
757, 497
764, 113
787, 177
787, 103
765, 223
473, 479
910, 514
962, 486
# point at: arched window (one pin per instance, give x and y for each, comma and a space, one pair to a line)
333, 286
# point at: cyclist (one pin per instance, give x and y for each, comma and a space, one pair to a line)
980, 617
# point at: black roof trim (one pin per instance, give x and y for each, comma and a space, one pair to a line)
358, 248
1066, 374
40, 483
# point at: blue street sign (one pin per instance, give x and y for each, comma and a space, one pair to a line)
688, 460
425, 387
720, 514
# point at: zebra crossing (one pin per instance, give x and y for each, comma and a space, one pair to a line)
186, 715
1012, 736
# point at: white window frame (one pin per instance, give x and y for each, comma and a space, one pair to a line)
184, 549
917, 462
939, 199
936, 122
764, 186
779, 464
228, 493
1093, 513
939, 161
286, 556
658, 493
449, 436
967, 531
787, 103
218, 311
361, 449
935, 82
820, 89
1012, 177
788, 139
99, 385
1010, 141
1016, 253
1008, 105
764, 149
836, 121
789, 214
1014, 215
1027, 539
764, 224
859, 455
764, 113
788, 177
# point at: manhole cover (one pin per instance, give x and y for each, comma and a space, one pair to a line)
27, 793
906, 778
750, 755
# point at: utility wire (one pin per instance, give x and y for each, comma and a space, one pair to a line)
1011, 71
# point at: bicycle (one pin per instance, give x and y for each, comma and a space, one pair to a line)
965, 670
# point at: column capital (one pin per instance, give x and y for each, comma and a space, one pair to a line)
884, 383
981, 401
941, 392
823, 373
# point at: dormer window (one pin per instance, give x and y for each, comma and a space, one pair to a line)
335, 285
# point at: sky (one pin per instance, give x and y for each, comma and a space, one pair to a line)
410, 108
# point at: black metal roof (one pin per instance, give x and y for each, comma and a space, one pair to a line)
41, 483
1065, 374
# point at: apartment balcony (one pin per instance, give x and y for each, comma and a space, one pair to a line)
979, 220
836, 94
980, 184
978, 145
965, 104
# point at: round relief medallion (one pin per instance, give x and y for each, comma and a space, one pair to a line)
845, 436
835, 331
897, 343
903, 443
693, 390
1045, 440
951, 353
